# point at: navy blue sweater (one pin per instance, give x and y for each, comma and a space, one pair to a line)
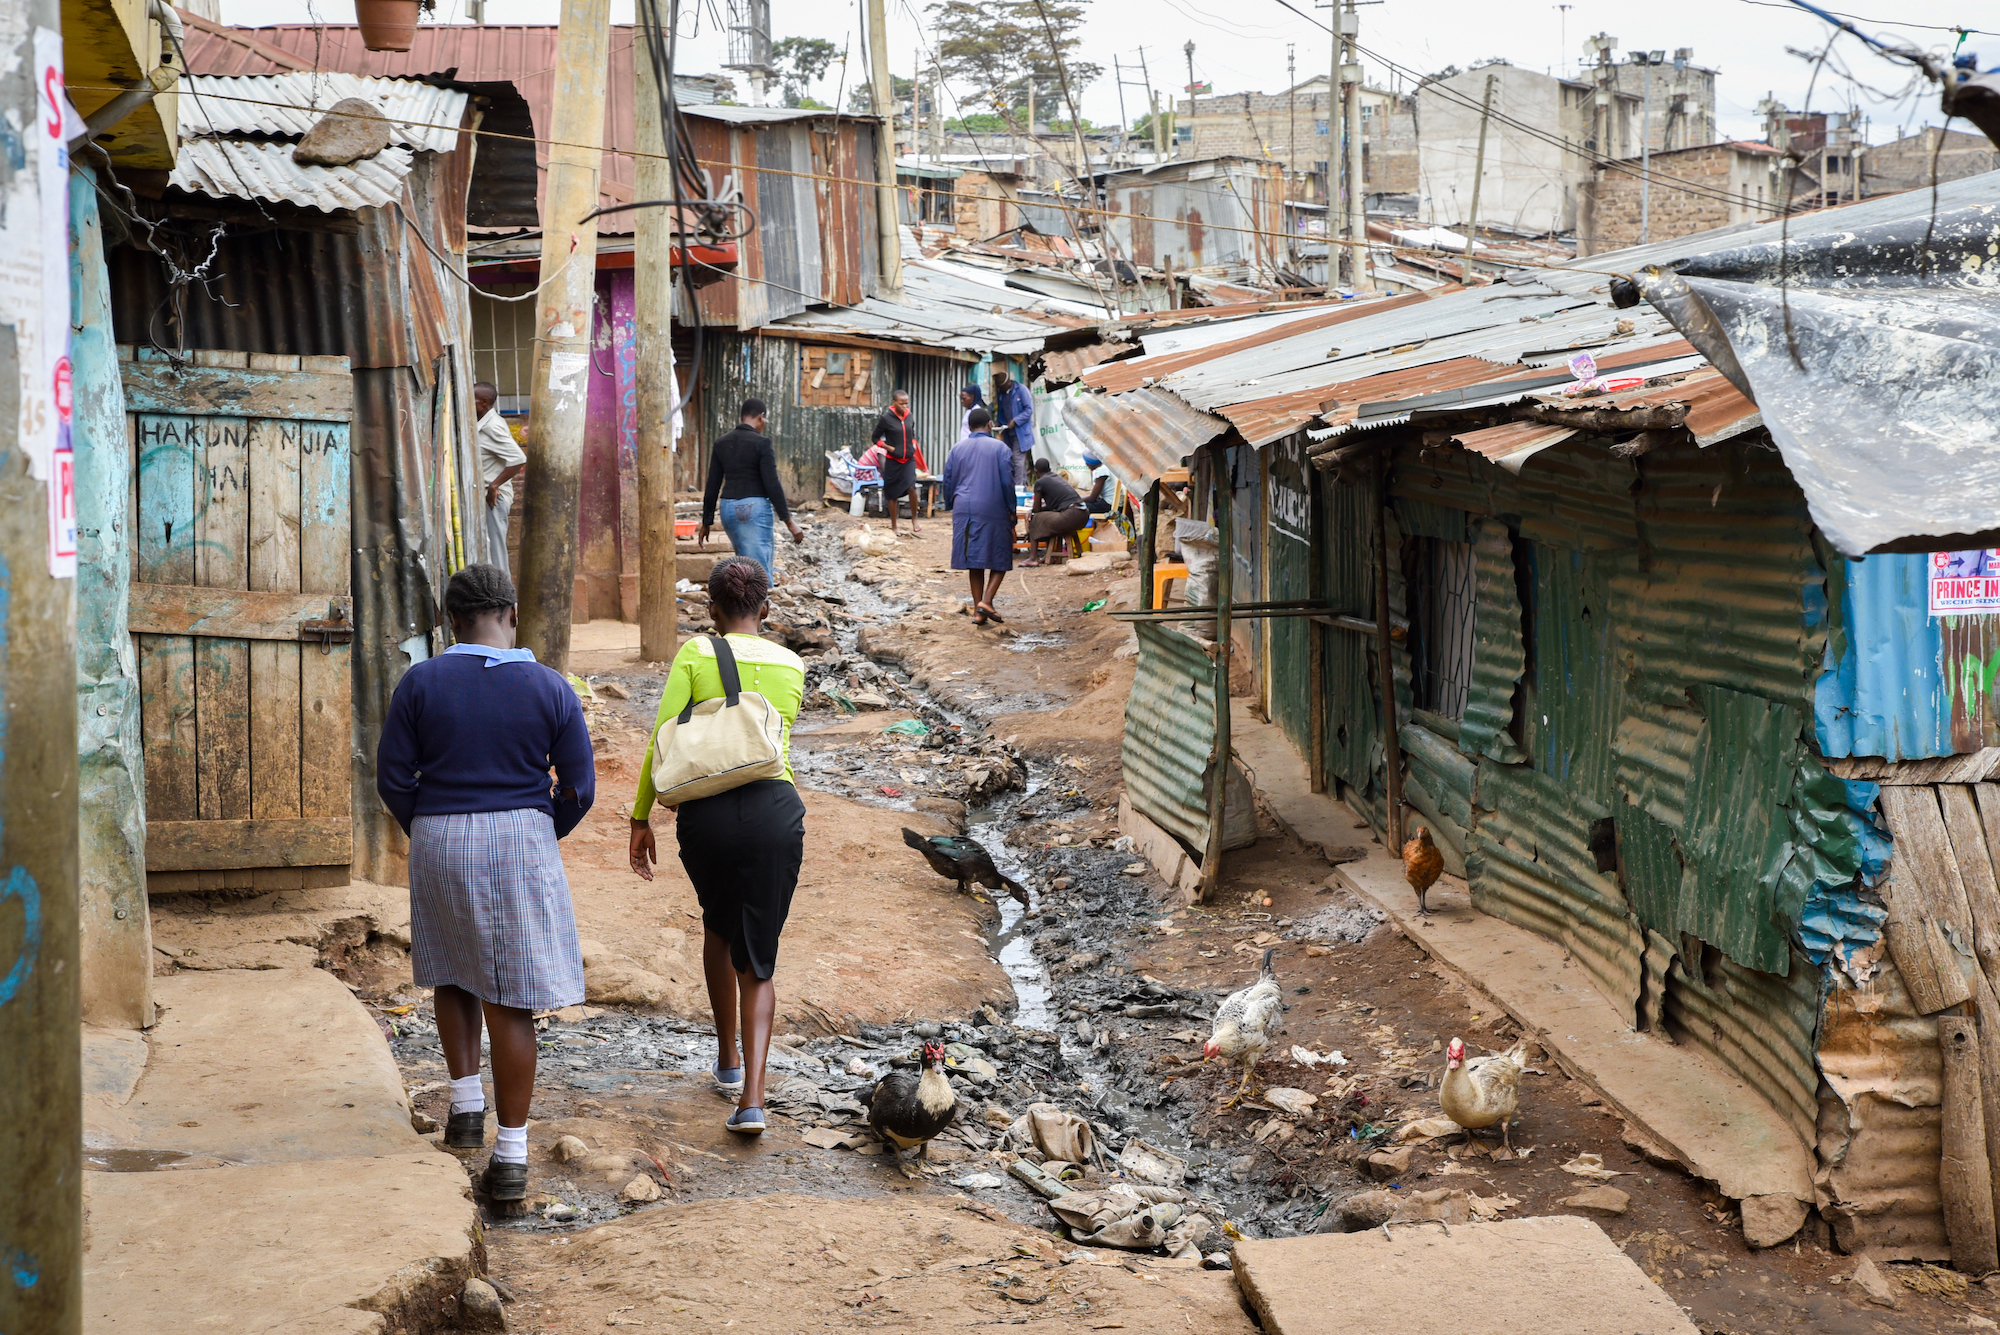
462, 736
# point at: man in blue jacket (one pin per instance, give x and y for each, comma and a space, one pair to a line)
1014, 418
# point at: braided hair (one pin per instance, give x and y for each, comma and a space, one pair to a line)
476, 590
737, 587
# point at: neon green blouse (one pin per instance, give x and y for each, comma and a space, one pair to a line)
771, 670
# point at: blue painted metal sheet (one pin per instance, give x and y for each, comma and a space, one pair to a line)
1883, 693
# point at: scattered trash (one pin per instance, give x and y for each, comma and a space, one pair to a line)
1095, 604
1294, 1102
1591, 1166
686, 586
1307, 1057
1057, 1133
1149, 1164
1130, 1216
1425, 1128
909, 727
1136, 869
1038, 1180
1490, 1207
979, 1181
832, 1138
560, 1212
581, 687
858, 1067
887, 791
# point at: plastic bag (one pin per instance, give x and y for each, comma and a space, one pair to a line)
1056, 1133
1197, 541
909, 727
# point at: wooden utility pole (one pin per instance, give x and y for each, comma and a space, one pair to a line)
653, 305
562, 321
1153, 102
881, 93
1385, 664
1478, 178
1222, 510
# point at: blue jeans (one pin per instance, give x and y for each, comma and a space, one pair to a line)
751, 526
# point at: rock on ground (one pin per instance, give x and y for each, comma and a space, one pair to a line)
479, 1308
1770, 1220
1608, 1201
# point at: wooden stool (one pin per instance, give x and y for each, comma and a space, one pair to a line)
1163, 576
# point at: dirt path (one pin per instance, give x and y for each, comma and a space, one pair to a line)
810, 1225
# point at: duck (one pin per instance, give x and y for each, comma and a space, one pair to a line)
909, 1111
957, 858
1483, 1091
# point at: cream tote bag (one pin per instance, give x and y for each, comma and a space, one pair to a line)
715, 745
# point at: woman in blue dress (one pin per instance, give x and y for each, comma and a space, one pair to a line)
979, 492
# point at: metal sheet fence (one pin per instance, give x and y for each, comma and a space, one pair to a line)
1170, 732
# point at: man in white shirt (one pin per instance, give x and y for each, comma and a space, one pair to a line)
501, 460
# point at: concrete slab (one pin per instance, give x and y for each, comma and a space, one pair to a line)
354, 1247
113, 1061
1557, 1273
1713, 1122
286, 929
269, 1066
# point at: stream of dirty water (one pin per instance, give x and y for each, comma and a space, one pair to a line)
1078, 1038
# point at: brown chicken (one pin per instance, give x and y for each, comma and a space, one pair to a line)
1422, 865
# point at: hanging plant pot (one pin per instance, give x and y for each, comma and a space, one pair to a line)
387, 25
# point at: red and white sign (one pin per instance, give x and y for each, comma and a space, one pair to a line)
1965, 583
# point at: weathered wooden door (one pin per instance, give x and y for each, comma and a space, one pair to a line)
242, 617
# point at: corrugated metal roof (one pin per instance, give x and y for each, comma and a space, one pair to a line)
261, 169
1515, 443
952, 306
1065, 366
1139, 435
421, 115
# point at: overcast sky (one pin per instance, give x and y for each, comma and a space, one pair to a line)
1243, 45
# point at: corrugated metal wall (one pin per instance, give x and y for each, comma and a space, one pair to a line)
1169, 741
1650, 631
1289, 553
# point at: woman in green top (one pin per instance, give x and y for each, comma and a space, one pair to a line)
741, 848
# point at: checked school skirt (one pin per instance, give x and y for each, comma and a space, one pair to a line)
490, 909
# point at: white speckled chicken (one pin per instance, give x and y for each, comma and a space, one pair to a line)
1485, 1091
1247, 1023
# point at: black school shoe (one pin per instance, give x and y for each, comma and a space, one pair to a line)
466, 1131
505, 1181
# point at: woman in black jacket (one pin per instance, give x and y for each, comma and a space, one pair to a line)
901, 457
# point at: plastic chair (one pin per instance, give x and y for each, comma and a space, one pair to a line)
1164, 575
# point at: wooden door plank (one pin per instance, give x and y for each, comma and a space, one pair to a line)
1926, 899
302, 395
274, 567
236, 614
165, 455
216, 845
326, 693
166, 725
222, 666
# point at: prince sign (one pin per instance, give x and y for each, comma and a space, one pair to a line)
1965, 583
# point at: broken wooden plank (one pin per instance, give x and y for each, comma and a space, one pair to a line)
1975, 872
309, 395
1965, 1181
214, 845
236, 614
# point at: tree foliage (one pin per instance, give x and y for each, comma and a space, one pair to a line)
995, 49
801, 62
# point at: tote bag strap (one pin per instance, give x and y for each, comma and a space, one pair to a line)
732, 680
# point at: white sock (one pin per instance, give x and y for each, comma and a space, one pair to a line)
511, 1146
466, 1095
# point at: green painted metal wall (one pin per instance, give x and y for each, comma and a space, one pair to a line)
1631, 777
1289, 557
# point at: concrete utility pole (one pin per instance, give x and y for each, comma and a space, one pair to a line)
563, 318
1646, 152
1153, 101
1478, 179
41, 1099
653, 298
1357, 183
1192, 108
881, 93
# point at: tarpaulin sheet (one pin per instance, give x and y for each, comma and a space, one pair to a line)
1874, 356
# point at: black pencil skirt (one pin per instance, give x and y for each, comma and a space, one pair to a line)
742, 849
